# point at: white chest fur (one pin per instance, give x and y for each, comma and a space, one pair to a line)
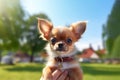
66, 65
61, 65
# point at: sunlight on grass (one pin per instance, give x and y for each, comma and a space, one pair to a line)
33, 71
101, 71
21, 72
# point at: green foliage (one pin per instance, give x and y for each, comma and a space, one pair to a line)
116, 49
32, 35
109, 45
104, 35
100, 54
18, 31
112, 29
34, 43
11, 24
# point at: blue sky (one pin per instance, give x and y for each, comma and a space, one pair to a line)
65, 12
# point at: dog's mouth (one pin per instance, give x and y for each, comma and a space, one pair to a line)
61, 50
60, 47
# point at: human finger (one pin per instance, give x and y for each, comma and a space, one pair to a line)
63, 76
56, 74
67, 78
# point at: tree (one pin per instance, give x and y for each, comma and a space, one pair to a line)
11, 24
104, 35
34, 43
112, 29
18, 31
116, 49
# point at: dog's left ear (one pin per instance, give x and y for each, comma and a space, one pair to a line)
45, 28
78, 28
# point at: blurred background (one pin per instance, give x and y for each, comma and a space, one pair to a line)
22, 53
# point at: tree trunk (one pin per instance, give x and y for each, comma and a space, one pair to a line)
32, 56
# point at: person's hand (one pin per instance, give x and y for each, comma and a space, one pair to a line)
60, 75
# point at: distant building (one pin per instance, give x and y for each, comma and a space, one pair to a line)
21, 57
7, 59
89, 53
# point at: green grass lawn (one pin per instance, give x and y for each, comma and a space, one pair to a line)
101, 72
33, 72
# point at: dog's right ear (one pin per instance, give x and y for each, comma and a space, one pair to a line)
44, 28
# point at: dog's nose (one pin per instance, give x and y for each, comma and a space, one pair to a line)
60, 45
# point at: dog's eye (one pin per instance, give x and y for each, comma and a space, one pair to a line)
69, 40
53, 40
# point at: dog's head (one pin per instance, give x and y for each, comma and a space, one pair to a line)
61, 39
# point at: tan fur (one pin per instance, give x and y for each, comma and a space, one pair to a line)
61, 35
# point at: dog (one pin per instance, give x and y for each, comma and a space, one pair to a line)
61, 48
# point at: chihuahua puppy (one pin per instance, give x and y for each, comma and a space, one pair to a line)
61, 48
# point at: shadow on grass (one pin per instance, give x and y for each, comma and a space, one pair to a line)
26, 68
101, 70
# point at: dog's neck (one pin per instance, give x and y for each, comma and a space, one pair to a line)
62, 61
